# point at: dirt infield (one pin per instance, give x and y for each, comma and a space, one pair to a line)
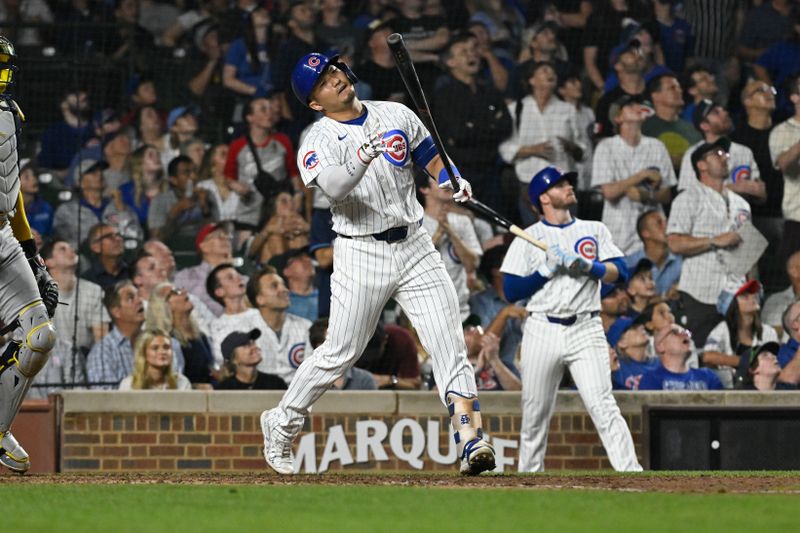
788, 483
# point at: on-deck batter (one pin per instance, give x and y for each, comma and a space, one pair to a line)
360, 155
564, 327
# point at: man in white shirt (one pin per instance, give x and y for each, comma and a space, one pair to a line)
634, 172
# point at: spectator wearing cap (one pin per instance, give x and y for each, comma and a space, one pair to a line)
632, 171
61, 140
242, 357
260, 163
614, 303
285, 341
714, 121
674, 348
739, 332
759, 370
504, 318
391, 357
86, 208
227, 287
473, 117
674, 34
170, 309
651, 226
142, 92
37, 209
213, 243
106, 266
702, 224
182, 126
104, 123
180, 210
776, 303
629, 339
570, 89
379, 69
758, 100
453, 235
666, 124
354, 378
483, 353
789, 351
542, 46
784, 146
296, 268
629, 64
640, 287
247, 63
649, 47
698, 84
545, 133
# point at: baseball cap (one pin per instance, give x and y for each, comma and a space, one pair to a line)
179, 112
91, 165
701, 111
644, 265
281, 261
700, 152
617, 329
623, 101
607, 289
733, 288
236, 339
472, 320
618, 50
749, 361
205, 231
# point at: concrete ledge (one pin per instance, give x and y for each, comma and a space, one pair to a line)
403, 403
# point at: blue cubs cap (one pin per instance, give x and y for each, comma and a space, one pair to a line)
545, 179
618, 329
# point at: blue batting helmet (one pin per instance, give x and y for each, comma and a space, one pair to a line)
308, 70
543, 180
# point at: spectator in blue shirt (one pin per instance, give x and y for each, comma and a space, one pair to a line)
61, 140
629, 339
675, 35
791, 327
666, 266
779, 63
39, 212
247, 65
673, 346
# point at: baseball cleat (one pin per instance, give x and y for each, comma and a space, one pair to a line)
277, 448
12, 455
478, 457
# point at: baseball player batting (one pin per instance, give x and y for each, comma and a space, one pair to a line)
27, 292
564, 327
360, 155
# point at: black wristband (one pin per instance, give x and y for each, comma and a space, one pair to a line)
29, 247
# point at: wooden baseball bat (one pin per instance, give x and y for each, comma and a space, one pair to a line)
411, 80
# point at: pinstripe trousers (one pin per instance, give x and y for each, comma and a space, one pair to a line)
546, 350
366, 274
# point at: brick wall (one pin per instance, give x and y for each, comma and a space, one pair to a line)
232, 442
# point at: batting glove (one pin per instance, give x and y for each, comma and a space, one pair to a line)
576, 263
372, 148
464, 188
553, 260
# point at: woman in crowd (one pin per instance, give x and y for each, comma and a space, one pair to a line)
741, 330
224, 193
169, 309
152, 365
247, 65
147, 181
149, 128
284, 230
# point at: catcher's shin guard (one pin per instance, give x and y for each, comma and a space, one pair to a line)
12, 455
475, 453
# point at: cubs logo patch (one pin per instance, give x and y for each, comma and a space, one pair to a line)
296, 354
740, 173
310, 160
587, 248
313, 61
397, 141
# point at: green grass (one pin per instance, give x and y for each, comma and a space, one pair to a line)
295, 509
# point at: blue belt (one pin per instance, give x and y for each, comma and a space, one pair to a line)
569, 320
390, 235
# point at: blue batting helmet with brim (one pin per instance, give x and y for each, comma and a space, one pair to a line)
308, 70
545, 179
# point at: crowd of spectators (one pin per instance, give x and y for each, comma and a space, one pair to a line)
190, 253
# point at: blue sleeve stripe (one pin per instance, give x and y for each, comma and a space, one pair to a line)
624, 273
518, 287
424, 152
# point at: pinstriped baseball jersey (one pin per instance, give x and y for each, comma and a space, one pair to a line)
385, 197
284, 351
742, 165
566, 294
